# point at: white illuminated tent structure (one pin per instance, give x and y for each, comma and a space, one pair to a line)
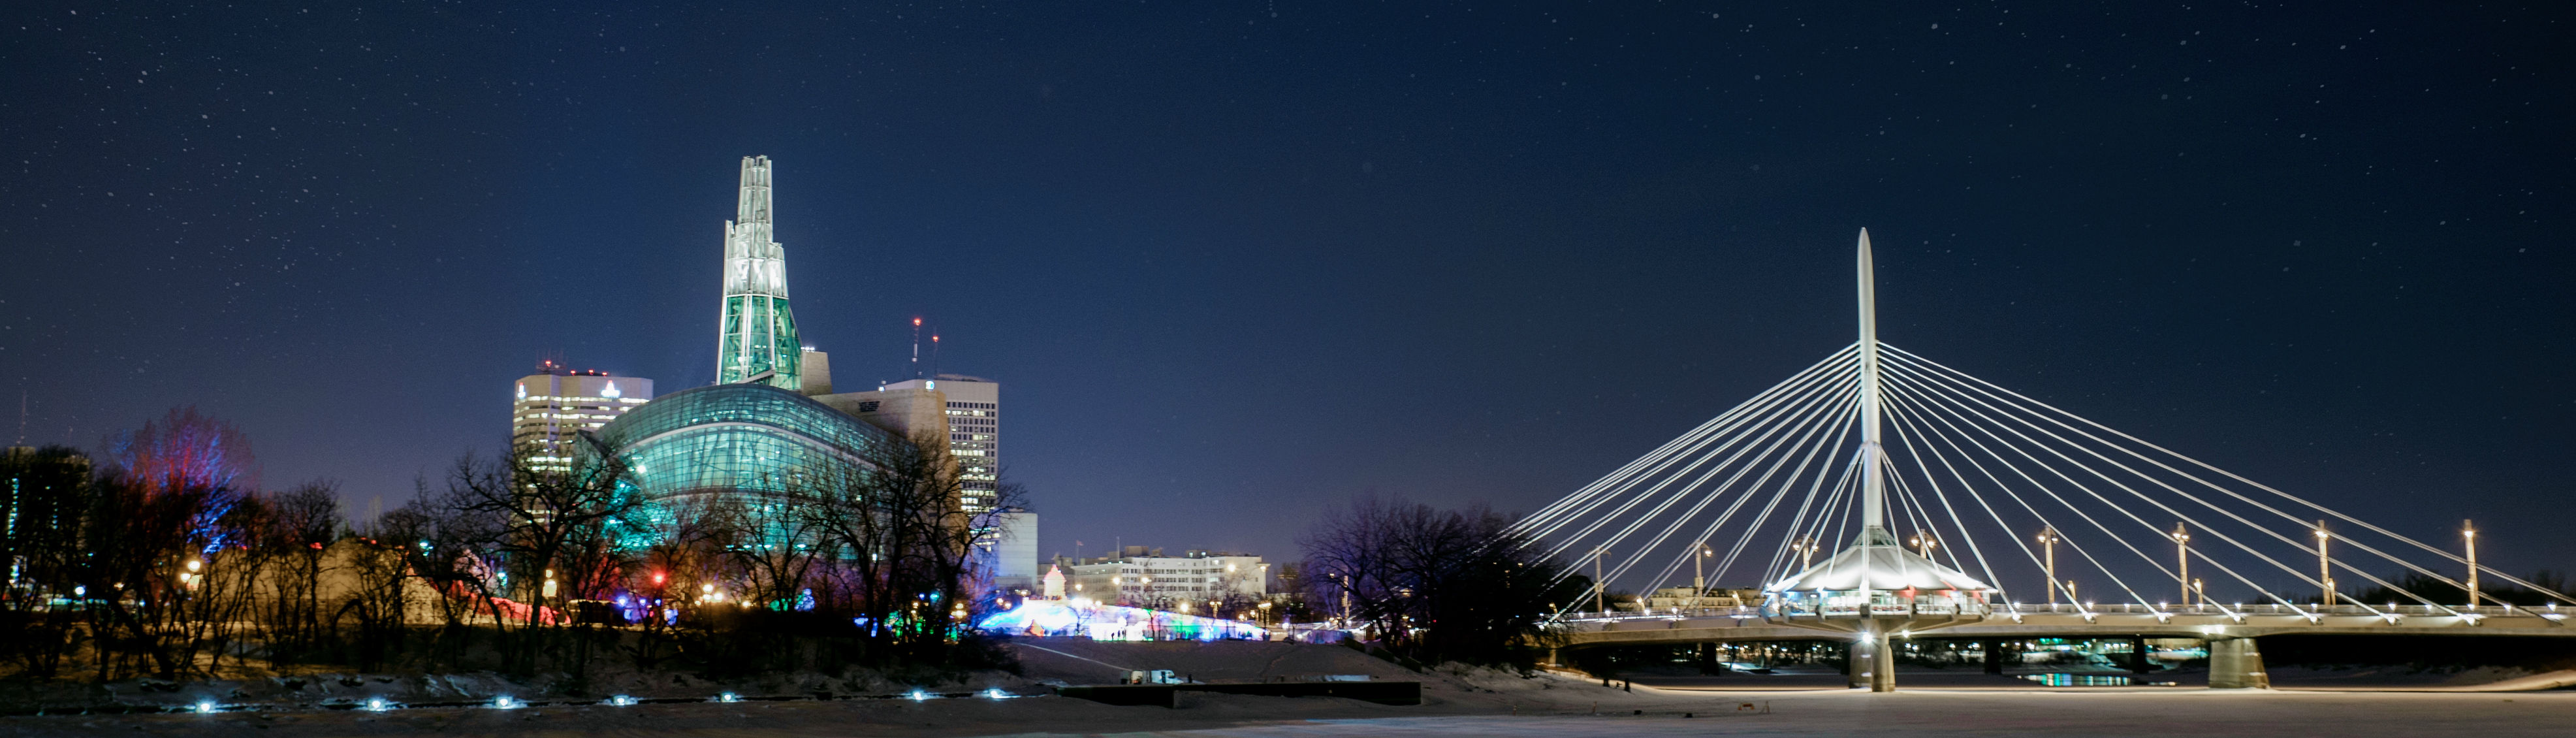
1877, 573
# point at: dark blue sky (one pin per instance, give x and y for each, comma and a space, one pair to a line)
1237, 261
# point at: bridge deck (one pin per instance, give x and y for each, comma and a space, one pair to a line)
1751, 624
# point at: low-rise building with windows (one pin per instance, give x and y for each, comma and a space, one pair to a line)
1140, 577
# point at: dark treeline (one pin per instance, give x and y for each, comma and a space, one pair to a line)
159, 557
1435, 585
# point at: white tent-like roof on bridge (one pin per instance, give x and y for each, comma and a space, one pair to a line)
1883, 567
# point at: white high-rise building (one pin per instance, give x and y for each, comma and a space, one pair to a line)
973, 411
974, 434
553, 406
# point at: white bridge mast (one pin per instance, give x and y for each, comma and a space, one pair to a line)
1873, 500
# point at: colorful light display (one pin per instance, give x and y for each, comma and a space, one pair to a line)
1113, 623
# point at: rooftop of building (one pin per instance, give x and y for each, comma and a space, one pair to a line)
550, 366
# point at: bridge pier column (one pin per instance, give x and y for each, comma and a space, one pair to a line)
2138, 655
1856, 658
2235, 663
1882, 663
1994, 657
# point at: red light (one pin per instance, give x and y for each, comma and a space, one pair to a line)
657, 578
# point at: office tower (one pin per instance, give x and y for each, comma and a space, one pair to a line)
554, 405
974, 410
757, 341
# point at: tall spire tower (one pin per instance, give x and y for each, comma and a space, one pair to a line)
758, 336
1873, 474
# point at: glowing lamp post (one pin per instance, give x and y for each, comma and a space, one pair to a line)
2469, 534
2048, 542
1699, 583
2182, 559
2325, 572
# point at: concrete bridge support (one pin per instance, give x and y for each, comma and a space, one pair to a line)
2235, 663
1872, 662
1994, 657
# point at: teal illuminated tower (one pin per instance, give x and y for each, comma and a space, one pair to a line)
759, 333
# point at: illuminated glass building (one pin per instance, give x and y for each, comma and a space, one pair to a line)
748, 437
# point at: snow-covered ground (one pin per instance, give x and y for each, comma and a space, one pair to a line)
1457, 702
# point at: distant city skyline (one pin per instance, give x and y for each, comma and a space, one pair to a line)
1238, 267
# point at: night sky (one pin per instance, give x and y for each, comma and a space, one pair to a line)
1238, 261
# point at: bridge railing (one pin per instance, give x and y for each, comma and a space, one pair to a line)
1805, 610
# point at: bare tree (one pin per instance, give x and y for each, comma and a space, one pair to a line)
557, 535
43, 551
302, 524
903, 542
1433, 585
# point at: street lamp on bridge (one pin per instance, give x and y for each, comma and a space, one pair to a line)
1699, 582
2182, 559
2325, 574
2469, 533
2048, 541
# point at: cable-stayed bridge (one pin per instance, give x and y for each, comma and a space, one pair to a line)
1809, 484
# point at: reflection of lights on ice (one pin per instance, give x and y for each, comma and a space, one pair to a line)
1114, 623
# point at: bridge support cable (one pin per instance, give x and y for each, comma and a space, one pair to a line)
2221, 534
1911, 425
1611, 489
1808, 436
1810, 409
1958, 403
1806, 504
1992, 389
1906, 440
1915, 417
2293, 542
1836, 512
1802, 469
1920, 515
1817, 415
2078, 511
1733, 475
1826, 371
1961, 404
